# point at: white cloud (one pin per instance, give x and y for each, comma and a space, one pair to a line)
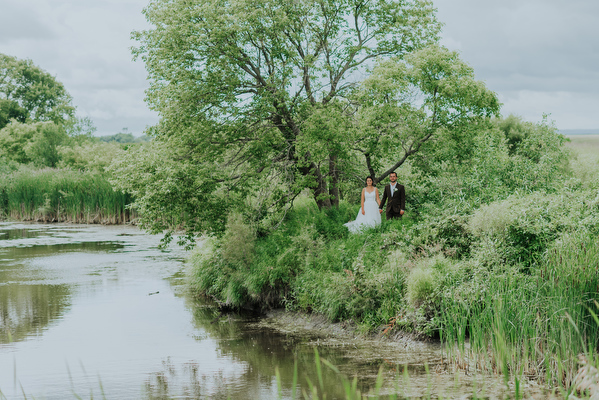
18, 22
86, 45
538, 55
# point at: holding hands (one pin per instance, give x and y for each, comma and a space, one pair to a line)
396, 195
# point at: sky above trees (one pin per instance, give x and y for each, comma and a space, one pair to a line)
539, 56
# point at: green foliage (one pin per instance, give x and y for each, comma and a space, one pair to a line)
391, 125
168, 196
368, 291
35, 143
89, 155
10, 110
28, 88
425, 280
252, 93
450, 179
306, 264
238, 241
519, 229
536, 324
529, 140
421, 285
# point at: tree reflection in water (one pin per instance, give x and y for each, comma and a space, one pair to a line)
26, 310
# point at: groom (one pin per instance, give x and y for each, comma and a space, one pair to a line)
397, 198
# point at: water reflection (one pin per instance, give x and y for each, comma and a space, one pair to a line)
261, 349
98, 311
18, 233
42, 250
25, 310
191, 381
29, 302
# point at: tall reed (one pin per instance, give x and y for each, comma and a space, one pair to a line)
532, 325
53, 195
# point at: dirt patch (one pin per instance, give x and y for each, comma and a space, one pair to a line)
397, 348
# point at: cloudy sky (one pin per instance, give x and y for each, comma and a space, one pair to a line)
539, 56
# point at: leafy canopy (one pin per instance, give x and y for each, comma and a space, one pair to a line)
405, 103
29, 93
235, 80
236, 84
36, 143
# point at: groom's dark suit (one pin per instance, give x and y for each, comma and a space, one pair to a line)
396, 203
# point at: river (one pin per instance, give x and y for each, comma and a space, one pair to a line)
90, 311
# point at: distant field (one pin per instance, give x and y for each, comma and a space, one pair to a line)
585, 144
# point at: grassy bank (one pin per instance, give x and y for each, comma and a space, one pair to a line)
61, 195
510, 285
523, 310
310, 263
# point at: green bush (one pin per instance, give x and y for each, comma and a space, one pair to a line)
421, 285
311, 263
88, 156
426, 283
520, 228
237, 244
534, 323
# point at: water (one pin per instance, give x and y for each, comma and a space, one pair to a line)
91, 311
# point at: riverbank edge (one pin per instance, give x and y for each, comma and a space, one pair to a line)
302, 323
324, 332
132, 222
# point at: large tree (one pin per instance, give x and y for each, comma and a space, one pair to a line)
236, 81
29, 93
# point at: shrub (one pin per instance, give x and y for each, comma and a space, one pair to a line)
421, 285
237, 244
427, 280
517, 231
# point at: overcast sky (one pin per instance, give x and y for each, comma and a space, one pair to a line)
539, 56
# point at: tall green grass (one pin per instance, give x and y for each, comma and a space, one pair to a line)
52, 195
532, 325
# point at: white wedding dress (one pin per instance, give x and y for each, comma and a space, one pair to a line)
371, 216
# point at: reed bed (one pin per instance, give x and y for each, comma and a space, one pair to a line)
531, 325
54, 195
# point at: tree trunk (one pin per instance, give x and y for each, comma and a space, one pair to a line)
334, 184
321, 194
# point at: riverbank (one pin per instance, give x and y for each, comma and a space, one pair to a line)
414, 363
507, 286
322, 328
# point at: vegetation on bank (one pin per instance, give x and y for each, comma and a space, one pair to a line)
51, 167
61, 195
499, 251
263, 146
49, 176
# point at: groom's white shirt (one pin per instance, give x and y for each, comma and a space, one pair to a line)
392, 186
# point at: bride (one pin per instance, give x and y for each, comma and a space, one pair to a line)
369, 215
